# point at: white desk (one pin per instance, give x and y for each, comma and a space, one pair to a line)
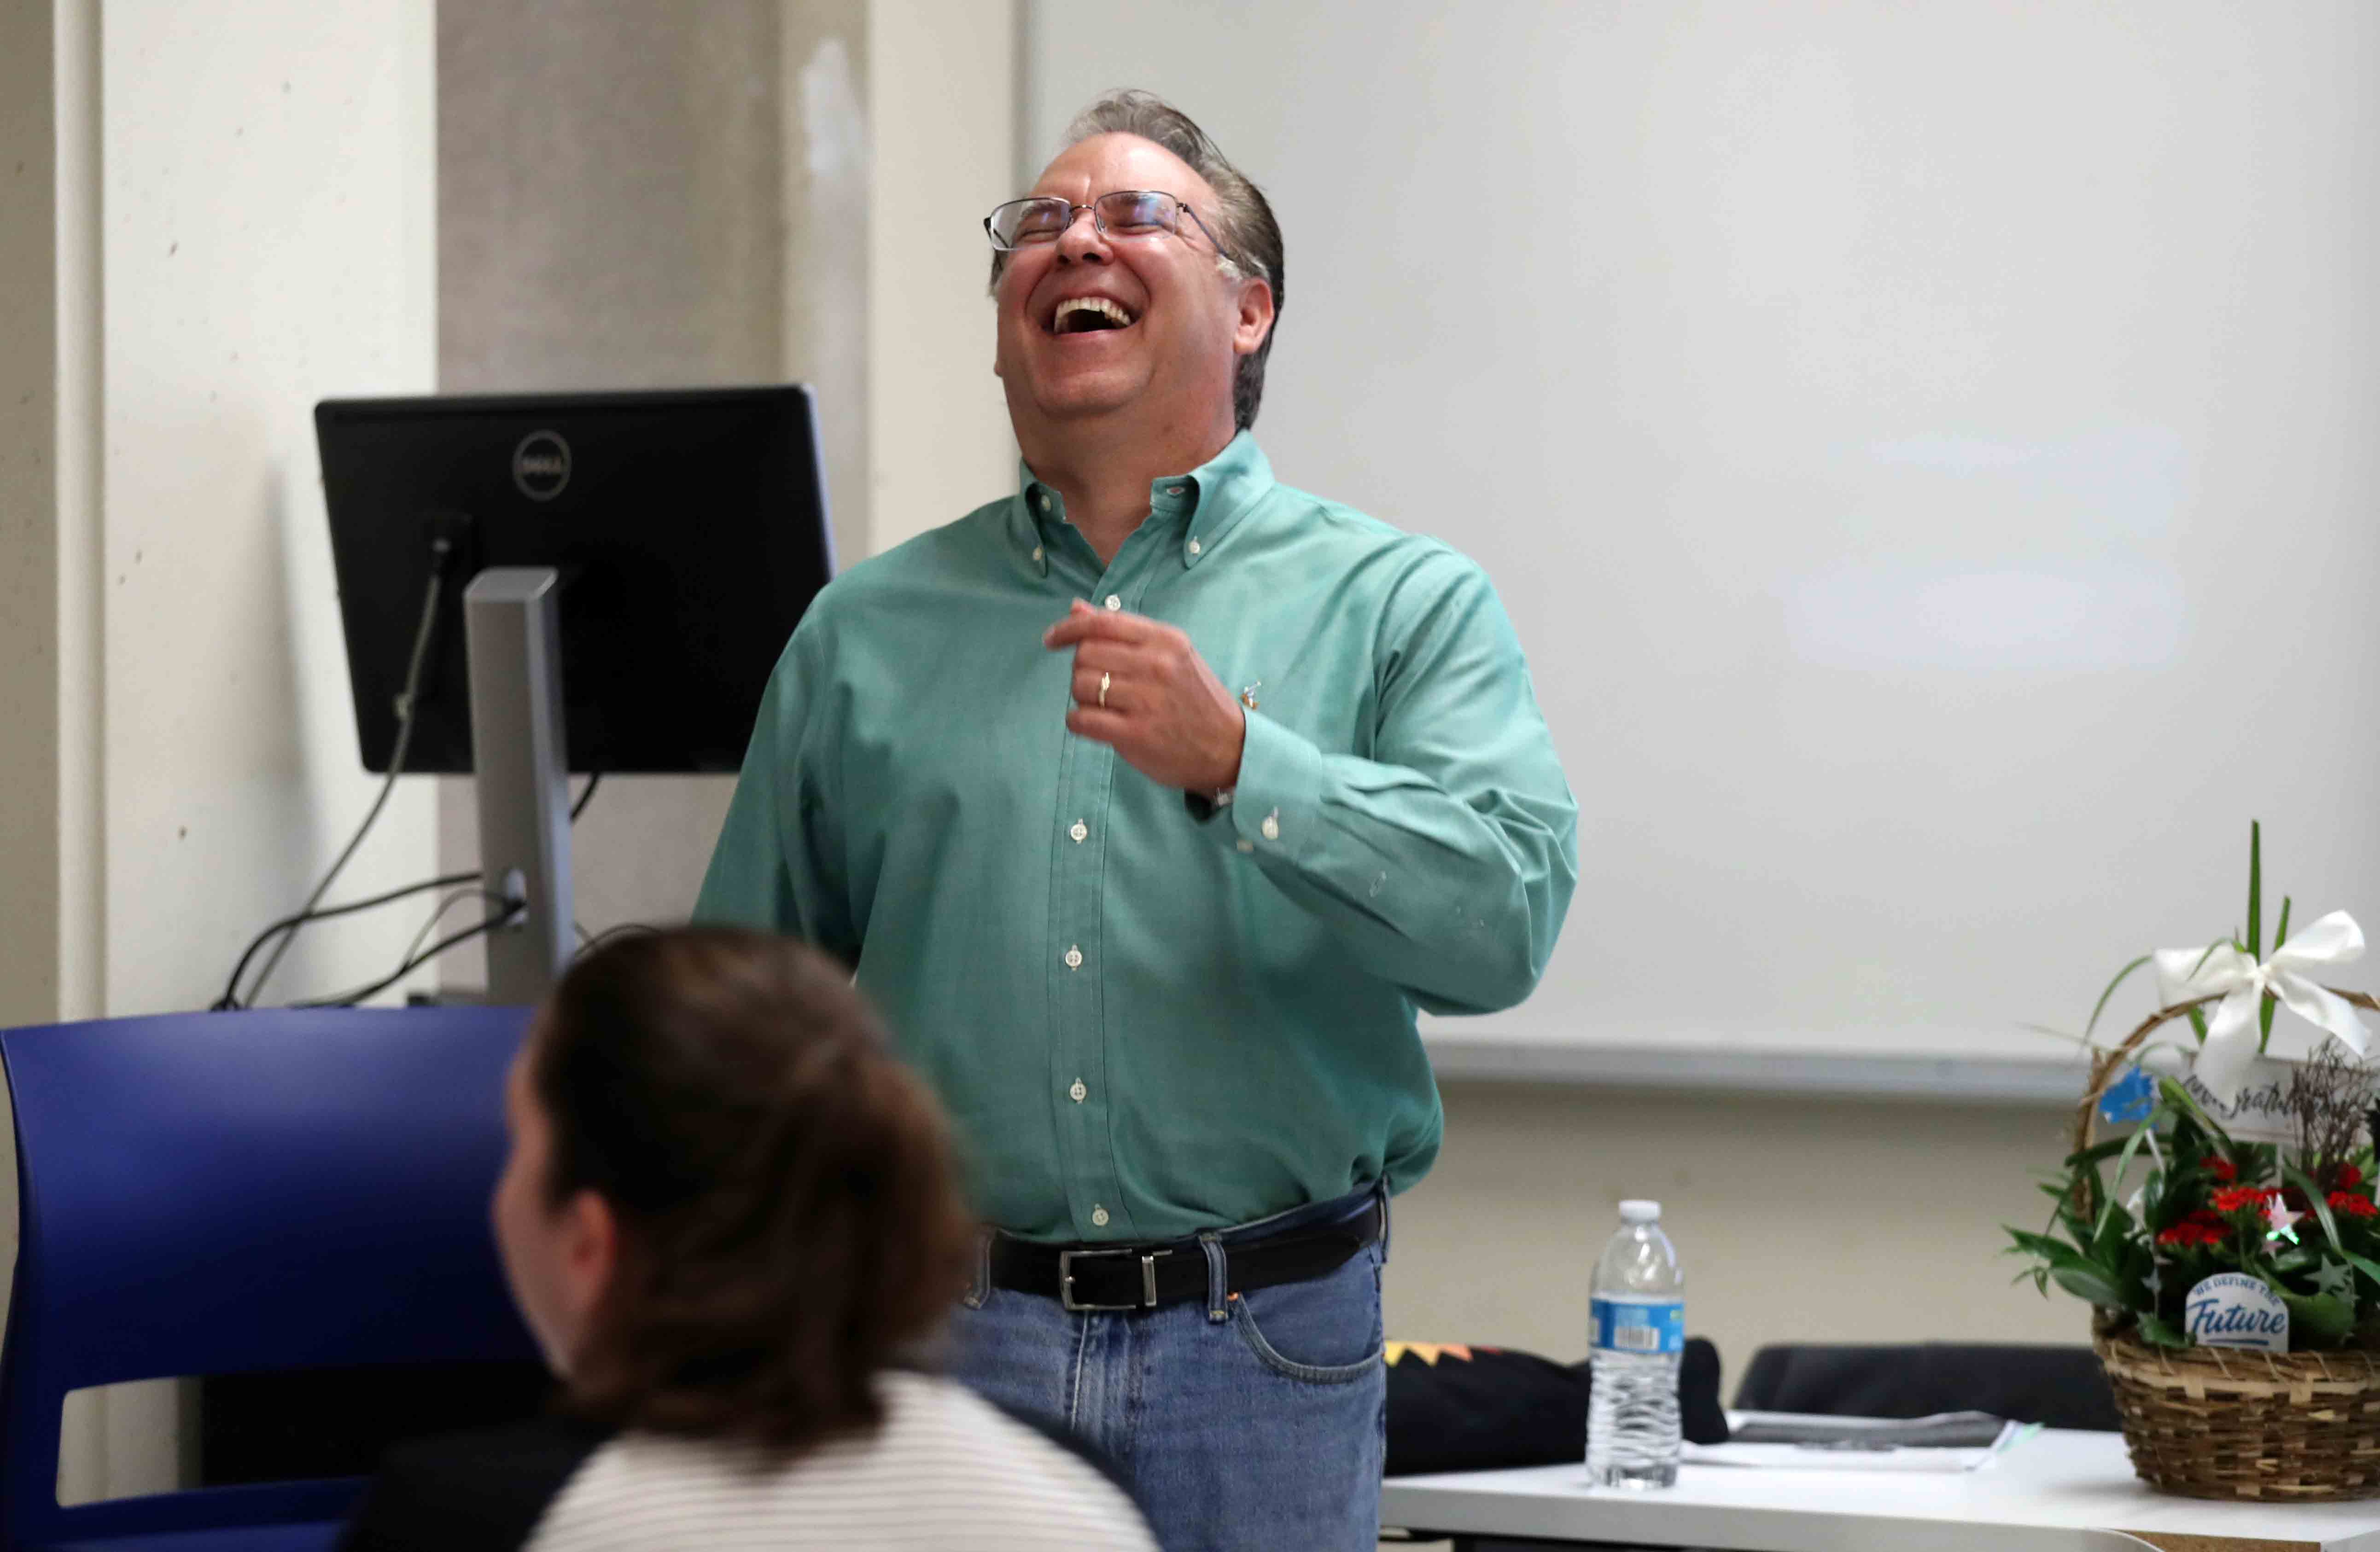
2049, 1494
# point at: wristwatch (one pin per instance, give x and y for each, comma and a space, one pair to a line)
1204, 806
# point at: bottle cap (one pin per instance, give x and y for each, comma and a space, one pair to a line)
1637, 1211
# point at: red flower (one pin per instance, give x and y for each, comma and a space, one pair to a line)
2190, 1234
2222, 1168
2349, 1177
2353, 1205
2242, 1198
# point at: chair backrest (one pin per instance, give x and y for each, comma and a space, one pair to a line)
219, 1194
2058, 1386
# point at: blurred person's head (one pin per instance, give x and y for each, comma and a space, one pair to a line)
726, 1206
1194, 296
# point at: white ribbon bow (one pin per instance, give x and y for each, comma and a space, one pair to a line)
2187, 974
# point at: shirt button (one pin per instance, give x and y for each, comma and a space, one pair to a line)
1073, 959
1037, 553
1099, 1215
1081, 832
1247, 845
1045, 500
1114, 602
1194, 547
1271, 826
1078, 1093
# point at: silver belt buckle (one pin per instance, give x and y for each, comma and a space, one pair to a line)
1066, 1259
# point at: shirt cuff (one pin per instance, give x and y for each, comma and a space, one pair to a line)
1277, 804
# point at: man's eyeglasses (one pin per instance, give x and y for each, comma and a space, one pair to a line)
1128, 212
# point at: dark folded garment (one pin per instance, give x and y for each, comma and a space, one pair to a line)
1479, 1408
2056, 1387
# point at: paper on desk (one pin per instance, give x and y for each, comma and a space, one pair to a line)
1852, 1453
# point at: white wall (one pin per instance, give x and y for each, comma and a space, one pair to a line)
268, 183
1796, 1221
241, 225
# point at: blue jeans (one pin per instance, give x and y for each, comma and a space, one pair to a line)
1244, 1423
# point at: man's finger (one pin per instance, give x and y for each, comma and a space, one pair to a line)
1086, 624
1119, 658
1100, 727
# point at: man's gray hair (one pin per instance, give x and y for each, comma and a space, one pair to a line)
1241, 219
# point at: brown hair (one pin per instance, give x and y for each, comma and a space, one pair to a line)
790, 1219
1245, 227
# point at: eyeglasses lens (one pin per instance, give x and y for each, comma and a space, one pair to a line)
1020, 222
1126, 213
1135, 212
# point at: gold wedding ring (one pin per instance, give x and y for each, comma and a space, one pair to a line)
1105, 680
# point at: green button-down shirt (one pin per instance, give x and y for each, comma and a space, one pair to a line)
1146, 1024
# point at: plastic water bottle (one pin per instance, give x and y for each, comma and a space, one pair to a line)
1639, 1312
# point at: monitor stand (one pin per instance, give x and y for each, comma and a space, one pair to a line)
521, 768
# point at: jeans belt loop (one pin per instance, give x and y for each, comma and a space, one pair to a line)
979, 1282
1218, 1277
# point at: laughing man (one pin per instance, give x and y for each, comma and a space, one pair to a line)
1150, 802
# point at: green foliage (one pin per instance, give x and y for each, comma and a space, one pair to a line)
2142, 1218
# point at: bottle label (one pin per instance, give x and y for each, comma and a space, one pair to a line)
1656, 1327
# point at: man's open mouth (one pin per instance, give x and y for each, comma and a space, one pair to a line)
1084, 315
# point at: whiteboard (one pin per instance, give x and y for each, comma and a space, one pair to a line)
1929, 453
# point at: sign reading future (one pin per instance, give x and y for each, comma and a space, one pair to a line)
2232, 1309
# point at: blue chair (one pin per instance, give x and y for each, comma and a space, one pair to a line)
235, 1194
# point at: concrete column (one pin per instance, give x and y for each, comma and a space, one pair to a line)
28, 519
642, 196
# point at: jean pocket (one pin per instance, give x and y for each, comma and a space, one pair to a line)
1324, 1331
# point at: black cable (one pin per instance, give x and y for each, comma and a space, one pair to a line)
349, 998
421, 934
230, 1000
599, 940
442, 551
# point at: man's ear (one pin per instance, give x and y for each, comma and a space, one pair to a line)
1255, 324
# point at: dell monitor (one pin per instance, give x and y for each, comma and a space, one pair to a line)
688, 529
630, 566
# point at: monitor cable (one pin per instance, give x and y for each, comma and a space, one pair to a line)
506, 911
441, 555
232, 1001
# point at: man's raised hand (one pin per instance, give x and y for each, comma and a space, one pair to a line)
1142, 689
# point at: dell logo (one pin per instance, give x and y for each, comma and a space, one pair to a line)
541, 465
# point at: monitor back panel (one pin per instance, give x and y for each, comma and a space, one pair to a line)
689, 530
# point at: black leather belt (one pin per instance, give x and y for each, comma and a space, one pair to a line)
1139, 1277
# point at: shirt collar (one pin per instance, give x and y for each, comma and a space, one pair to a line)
1207, 501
